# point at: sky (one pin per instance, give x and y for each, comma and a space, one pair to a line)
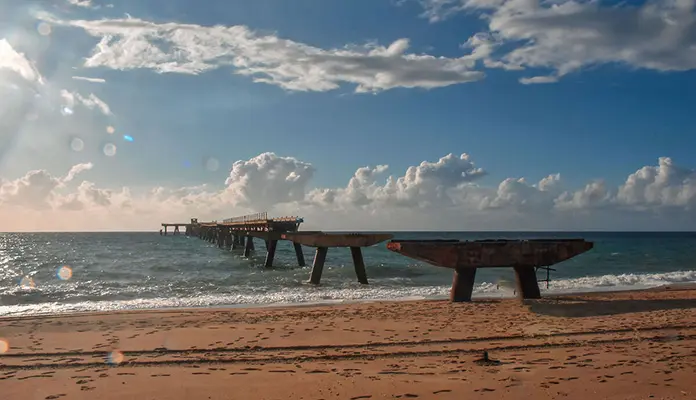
356, 115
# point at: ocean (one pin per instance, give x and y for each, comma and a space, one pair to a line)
44, 273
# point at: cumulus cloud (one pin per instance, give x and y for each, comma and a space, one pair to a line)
428, 184
593, 195
75, 170
567, 35
665, 185
36, 189
517, 194
133, 43
267, 179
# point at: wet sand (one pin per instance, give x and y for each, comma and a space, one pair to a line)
626, 345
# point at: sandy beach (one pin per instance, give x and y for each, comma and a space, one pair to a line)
630, 345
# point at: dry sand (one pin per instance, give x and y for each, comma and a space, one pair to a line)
631, 345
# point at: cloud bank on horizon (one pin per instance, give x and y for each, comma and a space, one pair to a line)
561, 37
442, 194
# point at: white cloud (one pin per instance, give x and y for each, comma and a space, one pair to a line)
567, 35
81, 3
432, 195
91, 102
76, 169
88, 79
14, 61
133, 43
267, 179
593, 195
428, 184
36, 190
665, 185
517, 194
539, 79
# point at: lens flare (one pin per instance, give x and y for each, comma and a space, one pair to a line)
4, 346
64, 273
114, 358
127, 138
77, 144
212, 164
44, 29
110, 149
110, 130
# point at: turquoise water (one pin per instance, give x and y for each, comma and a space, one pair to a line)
114, 271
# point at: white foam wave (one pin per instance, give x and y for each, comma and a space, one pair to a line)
332, 295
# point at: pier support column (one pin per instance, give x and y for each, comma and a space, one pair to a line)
318, 266
462, 284
359, 264
270, 252
299, 254
220, 237
165, 230
228, 239
242, 243
249, 246
235, 242
176, 230
527, 285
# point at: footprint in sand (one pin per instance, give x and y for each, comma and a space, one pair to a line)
442, 391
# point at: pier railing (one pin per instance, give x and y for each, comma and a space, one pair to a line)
262, 216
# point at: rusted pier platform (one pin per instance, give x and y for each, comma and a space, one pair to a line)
465, 257
323, 241
240, 232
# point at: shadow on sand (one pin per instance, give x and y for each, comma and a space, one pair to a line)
582, 307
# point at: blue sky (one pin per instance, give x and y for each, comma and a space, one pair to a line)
616, 104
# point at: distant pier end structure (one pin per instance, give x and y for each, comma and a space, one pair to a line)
240, 232
465, 257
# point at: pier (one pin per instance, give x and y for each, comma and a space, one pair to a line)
525, 257
239, 233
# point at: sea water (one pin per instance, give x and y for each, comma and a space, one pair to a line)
68, 272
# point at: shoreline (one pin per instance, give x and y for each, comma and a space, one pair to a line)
335, 303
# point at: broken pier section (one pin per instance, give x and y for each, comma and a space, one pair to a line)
465, 257
240, 232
